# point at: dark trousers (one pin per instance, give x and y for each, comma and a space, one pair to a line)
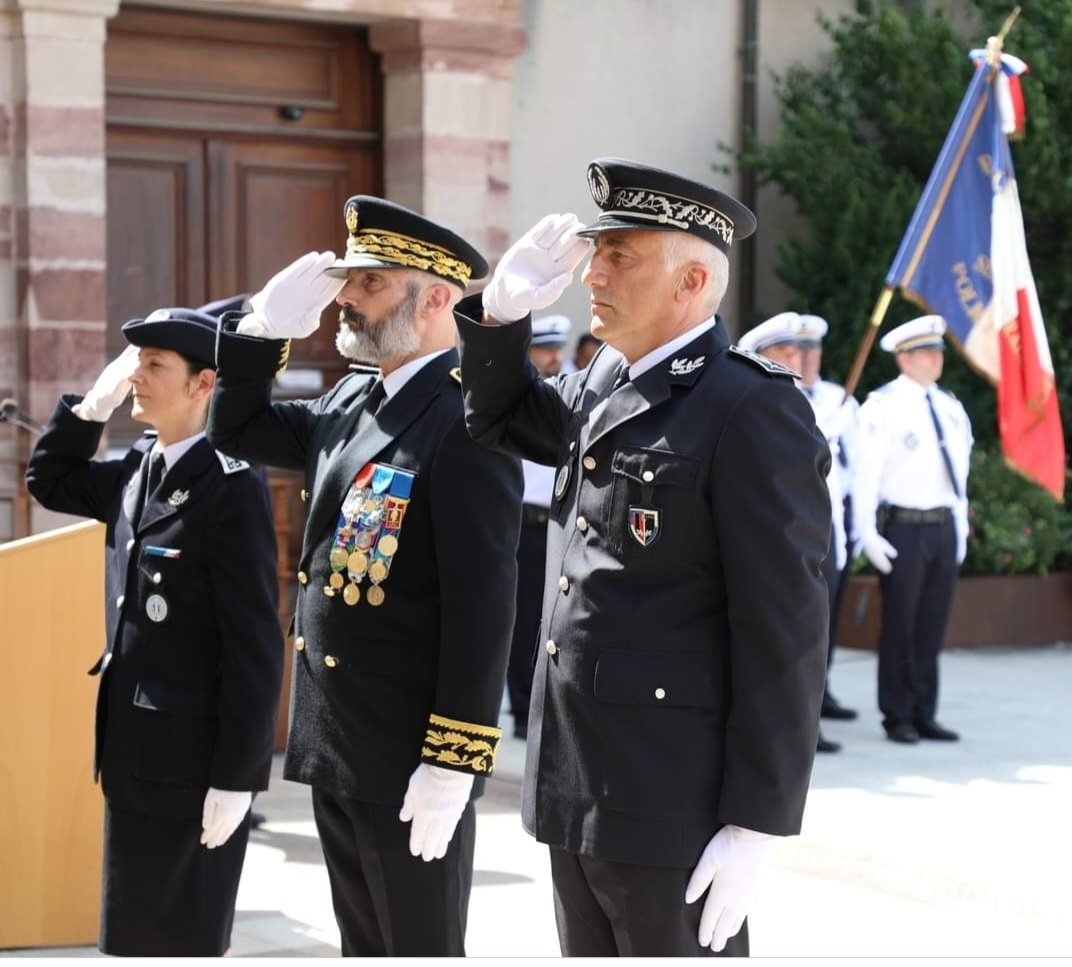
531, 557
387, 902
164, 894
606, 909
917, 596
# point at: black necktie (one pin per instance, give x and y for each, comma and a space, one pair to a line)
153, 474
946, 459
373, 401
621, 379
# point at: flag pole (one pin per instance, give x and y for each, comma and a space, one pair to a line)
994, 47
877, 315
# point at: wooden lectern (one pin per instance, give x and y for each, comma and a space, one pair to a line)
52, 622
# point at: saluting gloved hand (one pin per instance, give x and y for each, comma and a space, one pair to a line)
222, 814
110, 389
732, 865
536, 269
435, 800
289, 306
879, 551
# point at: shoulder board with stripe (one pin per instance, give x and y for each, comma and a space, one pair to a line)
230, 464
767, 365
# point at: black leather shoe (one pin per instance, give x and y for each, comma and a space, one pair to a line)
825, 745
903, 732
833, 709
932, 730
256, 820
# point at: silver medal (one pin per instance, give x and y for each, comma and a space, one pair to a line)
156, 607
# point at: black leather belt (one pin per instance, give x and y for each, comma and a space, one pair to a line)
533, 515
913, 515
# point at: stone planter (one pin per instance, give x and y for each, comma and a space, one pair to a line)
1021, 610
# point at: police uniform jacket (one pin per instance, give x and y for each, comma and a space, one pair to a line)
377, 690
683, 651
189, 701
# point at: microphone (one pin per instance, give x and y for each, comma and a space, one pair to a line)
10, 412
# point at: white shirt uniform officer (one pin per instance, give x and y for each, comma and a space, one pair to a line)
911, 513
836, 417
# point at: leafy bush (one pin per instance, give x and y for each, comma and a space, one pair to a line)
1015, 526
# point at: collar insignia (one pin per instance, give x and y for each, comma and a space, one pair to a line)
178, 498
682, 367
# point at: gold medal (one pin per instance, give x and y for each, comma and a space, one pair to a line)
378, 571
338, 559
357, 563
365, 540
351, 594
388, 545
375, 595
329, 592
347, 532
336, 580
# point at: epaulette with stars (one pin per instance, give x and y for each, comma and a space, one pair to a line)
769, 366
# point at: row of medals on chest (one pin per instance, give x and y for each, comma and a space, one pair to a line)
351, 553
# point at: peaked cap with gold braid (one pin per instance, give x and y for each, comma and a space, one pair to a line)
381, 234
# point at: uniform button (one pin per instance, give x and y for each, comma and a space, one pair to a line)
660, 693
330, 660
304, 495
582, 524
303, 578
157, 578
572, 446
130, 544
648, 476
563, 583
552, 648
299, 643
589, 463
119, 601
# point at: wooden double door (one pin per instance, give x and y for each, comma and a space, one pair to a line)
232, 146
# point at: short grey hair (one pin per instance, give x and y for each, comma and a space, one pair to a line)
683, 248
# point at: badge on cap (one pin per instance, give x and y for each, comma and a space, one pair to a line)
598, 184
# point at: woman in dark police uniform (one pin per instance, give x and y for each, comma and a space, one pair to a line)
191, 668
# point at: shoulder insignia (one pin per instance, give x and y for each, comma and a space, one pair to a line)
768, 365
456, 375
230, 464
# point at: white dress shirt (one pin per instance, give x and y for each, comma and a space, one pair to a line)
899, 459
393, 382
657, 355
173, 452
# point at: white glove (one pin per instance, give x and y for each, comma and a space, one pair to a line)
222, 814
289, 306
879, 551
435, 800
110, 389
536, 269
732, 865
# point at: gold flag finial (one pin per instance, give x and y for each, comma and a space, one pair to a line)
994, 45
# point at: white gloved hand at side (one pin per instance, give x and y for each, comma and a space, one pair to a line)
289, 306
435, 800
536, 269
222, 814
732, 865
110, 389
879, 551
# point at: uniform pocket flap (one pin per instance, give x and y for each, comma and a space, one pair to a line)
654, 467
160, 697
676, 678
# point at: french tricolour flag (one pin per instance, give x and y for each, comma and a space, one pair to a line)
964, 257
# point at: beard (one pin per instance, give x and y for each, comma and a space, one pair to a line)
392, 336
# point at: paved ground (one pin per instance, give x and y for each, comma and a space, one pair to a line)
935, 849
